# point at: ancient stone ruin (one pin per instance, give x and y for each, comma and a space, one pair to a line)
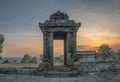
59, 27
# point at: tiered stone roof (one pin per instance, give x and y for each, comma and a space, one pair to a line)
59, 19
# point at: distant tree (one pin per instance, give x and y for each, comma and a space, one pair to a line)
1, 42
58, 59
118, 54
113, 54
6, 61
33, 60
41, 57
104, 50
0, 51
14, 61
26, 58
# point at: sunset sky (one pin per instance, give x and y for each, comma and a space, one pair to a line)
19, 22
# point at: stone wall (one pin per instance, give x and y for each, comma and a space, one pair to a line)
81, 68
21, 71
96, 67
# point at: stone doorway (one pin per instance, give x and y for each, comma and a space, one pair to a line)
59, 27
61, 36
58, 53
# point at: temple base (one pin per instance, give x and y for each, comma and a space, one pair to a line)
61, 71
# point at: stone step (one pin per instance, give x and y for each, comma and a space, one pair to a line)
61, 74
62, 68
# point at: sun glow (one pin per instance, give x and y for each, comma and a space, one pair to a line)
92, 39
58, 47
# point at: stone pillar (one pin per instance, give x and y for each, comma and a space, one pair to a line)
73, 47
51, 49
68, 48
65, 53
45, 43
48, 49
73, 43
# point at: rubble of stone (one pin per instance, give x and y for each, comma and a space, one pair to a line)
62, 72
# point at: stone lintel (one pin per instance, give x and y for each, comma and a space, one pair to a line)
59, 29
62, 25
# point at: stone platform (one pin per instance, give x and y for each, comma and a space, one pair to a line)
61, 74
61, 71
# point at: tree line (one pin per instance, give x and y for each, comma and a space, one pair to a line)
26, 59
105, 52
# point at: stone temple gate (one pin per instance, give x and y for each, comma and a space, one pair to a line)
59, 27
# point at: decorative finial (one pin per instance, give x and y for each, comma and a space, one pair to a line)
59, 16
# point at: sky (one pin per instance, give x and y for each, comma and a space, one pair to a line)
19, 22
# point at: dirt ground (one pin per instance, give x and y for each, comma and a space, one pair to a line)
92, 77
18, 65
